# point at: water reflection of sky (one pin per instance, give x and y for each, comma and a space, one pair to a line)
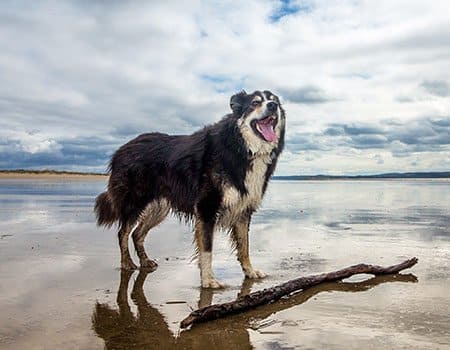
365, 207
336, 205
56, 264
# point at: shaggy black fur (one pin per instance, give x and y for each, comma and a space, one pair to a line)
187, 170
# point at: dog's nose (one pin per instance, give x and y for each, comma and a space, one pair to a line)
272, 106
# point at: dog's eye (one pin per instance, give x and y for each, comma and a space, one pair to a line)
256, 103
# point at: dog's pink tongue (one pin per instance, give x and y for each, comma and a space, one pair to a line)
267, 131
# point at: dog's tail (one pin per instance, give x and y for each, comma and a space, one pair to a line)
104, 210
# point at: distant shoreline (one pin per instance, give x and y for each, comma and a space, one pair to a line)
405, 176
22, 173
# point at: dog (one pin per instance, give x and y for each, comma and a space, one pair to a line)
215, 178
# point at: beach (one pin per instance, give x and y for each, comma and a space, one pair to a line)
61, 286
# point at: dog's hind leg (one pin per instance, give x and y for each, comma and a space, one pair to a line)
239, 235
152, 216
126, 263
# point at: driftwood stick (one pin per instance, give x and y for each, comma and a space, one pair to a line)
272, 294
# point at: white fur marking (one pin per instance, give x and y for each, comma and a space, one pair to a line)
235, 204
231, 196
206, 273
205, 265
155, 212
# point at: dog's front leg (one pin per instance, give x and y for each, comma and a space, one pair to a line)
239, 234
204, 238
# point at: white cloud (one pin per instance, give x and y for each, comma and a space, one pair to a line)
30, 142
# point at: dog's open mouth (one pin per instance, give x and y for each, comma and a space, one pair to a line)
266, 128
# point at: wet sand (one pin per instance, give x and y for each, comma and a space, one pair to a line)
61, 286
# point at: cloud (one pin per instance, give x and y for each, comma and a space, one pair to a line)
305, 95
436, 87
306, 142
360, 129
378, 158
400, 139
404, 99
36, 151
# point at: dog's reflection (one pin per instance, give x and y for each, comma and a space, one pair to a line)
121, 329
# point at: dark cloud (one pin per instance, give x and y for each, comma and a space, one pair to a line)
93, 152
440, 123
361, 129
305, 142
369, 141
305, 95
436, 87
403, 99
402, 139
86, 154
334, 131
420, 132
378, 158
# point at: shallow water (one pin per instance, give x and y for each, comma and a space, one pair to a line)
61, 287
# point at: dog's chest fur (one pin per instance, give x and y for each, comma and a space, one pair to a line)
235, 204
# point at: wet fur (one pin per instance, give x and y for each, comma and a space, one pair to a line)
217, 177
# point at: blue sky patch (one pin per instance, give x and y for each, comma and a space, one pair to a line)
289, 7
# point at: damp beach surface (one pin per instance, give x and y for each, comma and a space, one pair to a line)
61, 287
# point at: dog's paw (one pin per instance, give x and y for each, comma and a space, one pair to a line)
212, 283
254, 274
149, 265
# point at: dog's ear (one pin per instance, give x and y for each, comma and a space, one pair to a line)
237, 102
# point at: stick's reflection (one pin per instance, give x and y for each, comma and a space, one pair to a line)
121, 329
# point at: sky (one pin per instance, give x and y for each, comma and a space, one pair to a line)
365, 84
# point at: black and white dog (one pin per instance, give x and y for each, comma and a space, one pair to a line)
216, 177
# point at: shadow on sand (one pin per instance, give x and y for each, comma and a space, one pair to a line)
121, 329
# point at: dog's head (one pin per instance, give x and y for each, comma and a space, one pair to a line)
260, 119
